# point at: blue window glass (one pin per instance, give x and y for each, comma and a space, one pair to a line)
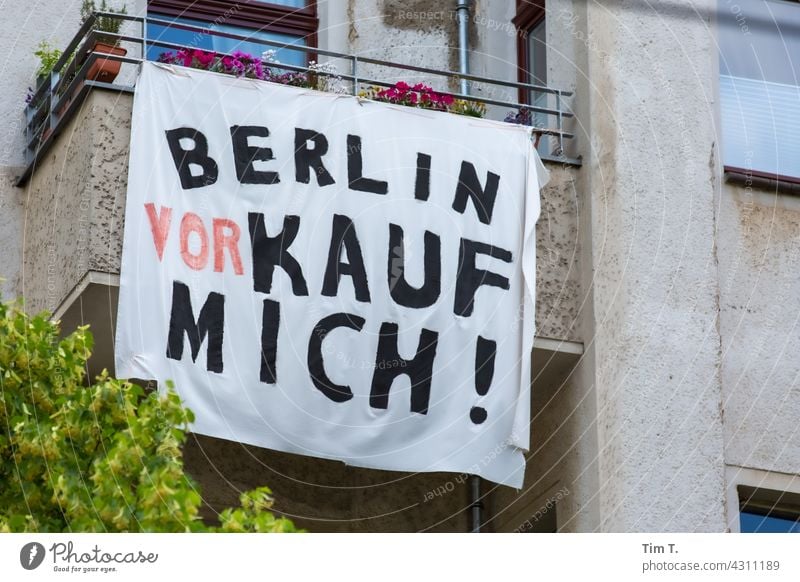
290, 3
207, 40
755, 523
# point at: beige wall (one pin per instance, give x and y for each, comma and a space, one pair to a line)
759, 252
25, 24
74, 202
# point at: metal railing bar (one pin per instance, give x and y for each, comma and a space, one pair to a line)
82, 55
367, 81
131, 17
142, 41
334, 54
68, 114
68, 77
135, 60
363, 81
367, 60
83, 31
79, 77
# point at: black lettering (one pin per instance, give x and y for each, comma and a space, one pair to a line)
422, 185
209, 323
306, 159
403, 293
272, 251
343, 237
485, 353
355, 176
197, 156
470, 187
469, 278
270, 320
244, 155
316, 365
419, 369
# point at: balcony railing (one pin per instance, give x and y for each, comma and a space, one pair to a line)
59, 96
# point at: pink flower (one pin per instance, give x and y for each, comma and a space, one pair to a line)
206, 59
186, 57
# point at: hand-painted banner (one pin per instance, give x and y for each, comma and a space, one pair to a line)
329, 276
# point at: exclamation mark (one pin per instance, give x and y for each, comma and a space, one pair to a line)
485, 351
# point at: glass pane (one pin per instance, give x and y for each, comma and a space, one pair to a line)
290, 3
207, 40
754, 523
760, 39
537, 75
760, 85
760, 125
537, 54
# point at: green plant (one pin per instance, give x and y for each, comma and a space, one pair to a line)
48, 57
468, 108
82, 457
103, 23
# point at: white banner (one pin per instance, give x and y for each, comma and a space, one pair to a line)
330, 276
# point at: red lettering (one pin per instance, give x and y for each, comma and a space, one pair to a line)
229, 240
159, 226
193, 223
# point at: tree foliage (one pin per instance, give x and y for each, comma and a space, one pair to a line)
102, 457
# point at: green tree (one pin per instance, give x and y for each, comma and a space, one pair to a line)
102, 457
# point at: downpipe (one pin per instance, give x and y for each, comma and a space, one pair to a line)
462, 13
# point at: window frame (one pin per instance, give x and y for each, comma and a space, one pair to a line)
262, 16
530, 13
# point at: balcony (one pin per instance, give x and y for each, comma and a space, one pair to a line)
77, 140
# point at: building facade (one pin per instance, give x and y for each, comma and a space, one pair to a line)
665, 390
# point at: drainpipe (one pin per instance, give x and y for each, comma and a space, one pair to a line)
476, 504
462, 13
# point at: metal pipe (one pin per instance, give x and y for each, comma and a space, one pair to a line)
477, 504
462, 13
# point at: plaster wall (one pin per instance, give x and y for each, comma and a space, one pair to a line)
74, 202
33, 21
654, 255
759, 251
54, 21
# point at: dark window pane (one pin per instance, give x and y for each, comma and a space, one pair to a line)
754, 523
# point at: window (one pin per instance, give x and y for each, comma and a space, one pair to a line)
286, 21
532, 54
768, 511
759, 86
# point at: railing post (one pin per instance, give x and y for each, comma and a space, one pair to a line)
560, 124
354, 72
